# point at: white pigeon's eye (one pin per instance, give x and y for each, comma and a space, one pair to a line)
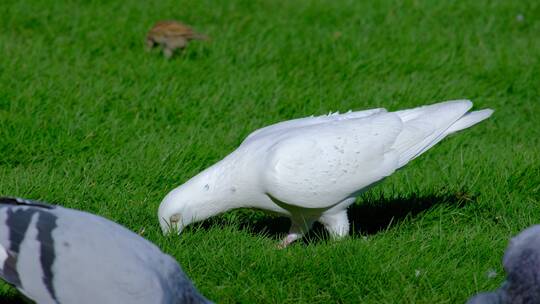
175, 218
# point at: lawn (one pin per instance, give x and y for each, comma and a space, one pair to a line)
89, 120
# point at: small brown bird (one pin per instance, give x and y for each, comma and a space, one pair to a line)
171, 35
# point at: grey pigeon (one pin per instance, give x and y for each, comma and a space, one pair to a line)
522, 265
60, 255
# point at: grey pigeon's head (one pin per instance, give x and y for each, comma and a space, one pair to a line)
522, 265
526, 245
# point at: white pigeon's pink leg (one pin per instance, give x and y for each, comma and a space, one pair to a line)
337, 224
298, 229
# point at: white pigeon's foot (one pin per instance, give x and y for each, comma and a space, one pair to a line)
299, 227
337, 224
291, 237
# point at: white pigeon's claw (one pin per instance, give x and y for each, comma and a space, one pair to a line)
289, 239
59, 255
314, 168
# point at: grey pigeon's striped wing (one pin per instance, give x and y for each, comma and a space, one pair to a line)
18, 215
59, 255
11, 238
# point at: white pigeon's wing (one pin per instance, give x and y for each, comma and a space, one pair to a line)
308, 121
320, 165
316, 165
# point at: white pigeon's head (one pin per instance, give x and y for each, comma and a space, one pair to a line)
201, 197
173, 212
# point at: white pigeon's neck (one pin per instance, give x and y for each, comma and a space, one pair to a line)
211, 192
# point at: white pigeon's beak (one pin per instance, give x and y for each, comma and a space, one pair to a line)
172, 213
172, 225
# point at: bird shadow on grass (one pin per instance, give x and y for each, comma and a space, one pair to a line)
15, 298
370, 216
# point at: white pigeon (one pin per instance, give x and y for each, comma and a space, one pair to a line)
59, 255
313, 168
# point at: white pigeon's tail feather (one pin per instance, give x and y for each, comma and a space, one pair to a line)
426, 126
469, 120
466, 121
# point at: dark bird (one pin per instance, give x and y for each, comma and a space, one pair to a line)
59, 255
522, 265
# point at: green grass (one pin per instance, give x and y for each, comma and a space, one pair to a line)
90, 121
